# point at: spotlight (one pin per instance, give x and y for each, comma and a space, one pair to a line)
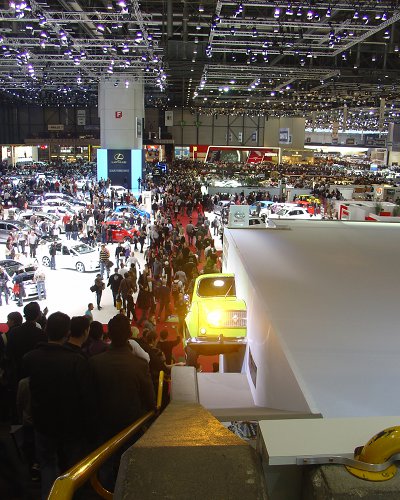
277, 12
100, 27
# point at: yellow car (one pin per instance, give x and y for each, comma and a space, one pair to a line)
308, 198
217, 319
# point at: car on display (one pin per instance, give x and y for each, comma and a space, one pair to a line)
307, 198
220, 205
26, 215
131, 209
217, 319
118, 190
121, 231
57, 211
295, 212
7, 226
48, 198
264, 205
11, 267
71, 255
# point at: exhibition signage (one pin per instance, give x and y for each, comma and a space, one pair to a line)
169, 118
238, 216
119, 167
284, 136
118, 114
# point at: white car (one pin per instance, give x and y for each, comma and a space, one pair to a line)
59, 211
293, 213
119, 190
26, 215
71, 255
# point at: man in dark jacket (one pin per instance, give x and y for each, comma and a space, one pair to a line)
114, 282
121, 386
56, 381
24, 338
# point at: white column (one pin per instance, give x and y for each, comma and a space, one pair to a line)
121, 111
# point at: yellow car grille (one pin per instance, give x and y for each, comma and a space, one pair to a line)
234, 319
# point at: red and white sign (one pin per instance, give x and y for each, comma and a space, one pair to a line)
118, 114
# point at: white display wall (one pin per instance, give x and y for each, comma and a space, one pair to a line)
323, 311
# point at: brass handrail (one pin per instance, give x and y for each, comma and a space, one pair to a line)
65, 486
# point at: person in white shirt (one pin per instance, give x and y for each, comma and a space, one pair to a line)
32, 241
122, 270
40, 279
136, 349
132, 260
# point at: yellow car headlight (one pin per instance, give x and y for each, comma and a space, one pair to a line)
214, 318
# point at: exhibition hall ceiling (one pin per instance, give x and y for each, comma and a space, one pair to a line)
317, 59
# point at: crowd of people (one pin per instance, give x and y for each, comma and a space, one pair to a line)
61, 376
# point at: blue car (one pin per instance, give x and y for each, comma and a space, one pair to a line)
264, 205
131, 208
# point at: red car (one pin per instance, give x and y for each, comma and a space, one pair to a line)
121, 231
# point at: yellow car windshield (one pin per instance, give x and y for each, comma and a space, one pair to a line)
217, 287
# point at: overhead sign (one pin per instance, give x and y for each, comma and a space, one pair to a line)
55, 128
169, 118
118, 114
81, 117
284, 136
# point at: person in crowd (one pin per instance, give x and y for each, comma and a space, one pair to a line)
53, 253
190, 232
125, 289
99, 286
78, 334
40, 279
136, 347
122, 269
95, 343
181, 311
104, 257
164, 299
4, 281
32, 242
130, 302
166, 346
18, 286
144, 301
7, 368
121, 388
132, 261
150, 324
114, 282
57, 378
119, 254
89, 310
25, 338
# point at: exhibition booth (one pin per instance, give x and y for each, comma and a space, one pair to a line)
314, 347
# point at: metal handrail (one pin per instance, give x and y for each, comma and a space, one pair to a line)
65, 486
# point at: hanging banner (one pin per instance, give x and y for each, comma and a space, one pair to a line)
344, 126
313, 120
169, 118
381, 113
81, 117
335, 132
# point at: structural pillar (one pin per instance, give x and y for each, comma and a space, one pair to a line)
286, 133
121, 113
